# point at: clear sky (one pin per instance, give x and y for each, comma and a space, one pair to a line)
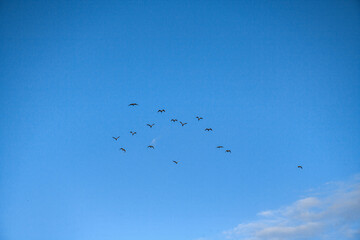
277, 81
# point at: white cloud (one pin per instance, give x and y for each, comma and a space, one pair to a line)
289, 232
334, 216
266, 213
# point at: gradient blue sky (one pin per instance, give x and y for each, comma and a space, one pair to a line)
278, 81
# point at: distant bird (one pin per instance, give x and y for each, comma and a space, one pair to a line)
133, 104
161, 110
228, 151
175, 162
208, 129
151, 146
182, 124
199, 118
132, 133
123, 149
173, 120
150, 125
300, 167
219, 147
116, 138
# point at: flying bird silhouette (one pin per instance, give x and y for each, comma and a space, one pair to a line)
161, 110
150, 125
116, 138
175, 162
228, 151
182, 124
219, 147
123, 149
199, 118
208, 129
173, 120
300, 167
133, 104
132, 133
151, 146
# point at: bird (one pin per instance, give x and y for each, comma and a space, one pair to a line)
199, 118
161, 110
123, 149
300, 167
228, 151
116, 138
208, 129
219, 147
175, 162
173, 120
150, 125
132, 133
133, 104
151, 146
182, 124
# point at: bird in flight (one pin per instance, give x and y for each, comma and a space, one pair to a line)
300, 167
132, 133
228, 151
123, 149
133, 104
116, 138
150, 125
151, 146
199, 118
161, 110
219, 147
173, 120
175, 162
208, 129
182, 124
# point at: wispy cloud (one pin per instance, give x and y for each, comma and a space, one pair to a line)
334, 216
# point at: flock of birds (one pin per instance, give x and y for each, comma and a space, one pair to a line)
172, 120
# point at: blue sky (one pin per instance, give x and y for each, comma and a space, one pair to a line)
279, 82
